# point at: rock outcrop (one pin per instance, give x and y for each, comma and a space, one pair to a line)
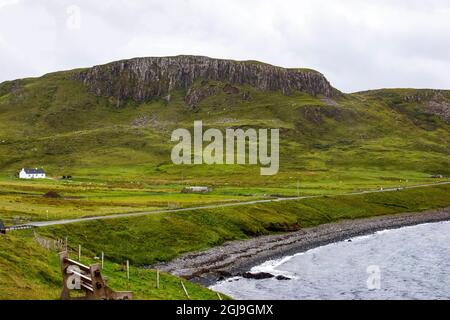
434, 102
195, 95
142, 79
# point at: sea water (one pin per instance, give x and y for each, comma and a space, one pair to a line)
407, 263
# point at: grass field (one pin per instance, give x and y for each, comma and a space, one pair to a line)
119, 153
155, 238
24, 201
28, 271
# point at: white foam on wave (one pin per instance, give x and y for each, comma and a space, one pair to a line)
271, 267
413, 262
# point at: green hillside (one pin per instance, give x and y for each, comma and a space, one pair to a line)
80, 123
364, 138
118, 150
29, 271
155, 238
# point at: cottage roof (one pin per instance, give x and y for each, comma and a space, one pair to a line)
34, 171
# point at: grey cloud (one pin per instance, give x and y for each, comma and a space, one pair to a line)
358, 45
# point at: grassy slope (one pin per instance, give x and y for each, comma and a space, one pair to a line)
150, 239
119, 153
28, 271
54, 123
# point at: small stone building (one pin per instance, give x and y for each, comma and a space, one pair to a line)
196, 190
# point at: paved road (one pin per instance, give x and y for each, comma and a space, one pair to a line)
214, 206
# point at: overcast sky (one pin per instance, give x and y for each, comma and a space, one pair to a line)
357, 44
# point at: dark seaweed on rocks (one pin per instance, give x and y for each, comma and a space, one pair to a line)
258, 276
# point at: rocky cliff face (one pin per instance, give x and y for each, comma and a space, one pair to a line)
142, 79
434, 102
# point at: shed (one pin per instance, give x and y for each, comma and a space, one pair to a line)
196, 190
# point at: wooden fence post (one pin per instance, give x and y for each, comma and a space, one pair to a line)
185, 291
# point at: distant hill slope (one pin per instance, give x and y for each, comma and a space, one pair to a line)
114, 122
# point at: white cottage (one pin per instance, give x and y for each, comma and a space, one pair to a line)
32, 174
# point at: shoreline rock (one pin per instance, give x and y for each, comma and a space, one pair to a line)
238, 257
258, 276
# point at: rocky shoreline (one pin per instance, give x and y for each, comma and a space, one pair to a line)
237, 257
